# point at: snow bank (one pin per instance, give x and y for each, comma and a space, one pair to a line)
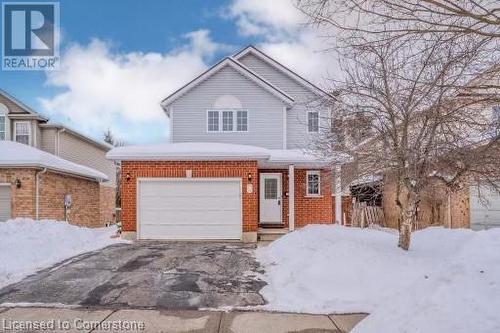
448, 282
27, 246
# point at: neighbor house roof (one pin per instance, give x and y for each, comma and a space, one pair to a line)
100, 144
22, 106
209, 151
242, 69
15, 154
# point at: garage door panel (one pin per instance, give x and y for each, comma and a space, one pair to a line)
189, 209
215, 203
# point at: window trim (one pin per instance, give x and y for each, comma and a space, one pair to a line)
29, 130
218, 122
235, 120
308, 130
313, 172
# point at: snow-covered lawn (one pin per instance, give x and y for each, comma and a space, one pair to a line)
449, 281
27, 246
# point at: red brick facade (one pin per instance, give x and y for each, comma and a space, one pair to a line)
107, 204
177, 169
307, 209
85, 209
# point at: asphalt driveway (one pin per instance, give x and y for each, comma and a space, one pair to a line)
169, 275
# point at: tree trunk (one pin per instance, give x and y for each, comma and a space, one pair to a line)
407, 221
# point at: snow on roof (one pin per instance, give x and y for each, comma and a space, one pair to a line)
13, 154
196, 151
188, 151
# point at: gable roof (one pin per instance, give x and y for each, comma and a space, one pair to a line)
16, 154
280, 67
23, 106
242, 69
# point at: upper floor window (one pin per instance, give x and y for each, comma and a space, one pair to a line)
313, 182
22, 132
3, 126
313, 121
227, 120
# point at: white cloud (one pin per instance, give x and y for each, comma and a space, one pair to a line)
286, 37
102, 88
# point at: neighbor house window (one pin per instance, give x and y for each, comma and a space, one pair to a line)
22, 131
495, 113
3, 126
227, 121
313, 182
213, 121
313, 122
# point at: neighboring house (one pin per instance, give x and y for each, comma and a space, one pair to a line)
236, 163
21, 124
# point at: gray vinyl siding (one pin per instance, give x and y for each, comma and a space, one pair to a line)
78, 151
48, 140
297, 134
265, 112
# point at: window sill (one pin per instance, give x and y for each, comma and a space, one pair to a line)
313, 196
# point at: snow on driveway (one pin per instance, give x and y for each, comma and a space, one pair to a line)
27, 246
449, 281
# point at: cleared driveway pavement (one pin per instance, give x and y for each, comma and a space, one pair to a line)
170, 275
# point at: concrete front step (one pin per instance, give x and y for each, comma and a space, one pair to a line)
270, 234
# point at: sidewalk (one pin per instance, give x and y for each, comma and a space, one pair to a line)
104, 320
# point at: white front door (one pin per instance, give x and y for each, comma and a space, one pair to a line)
270, 198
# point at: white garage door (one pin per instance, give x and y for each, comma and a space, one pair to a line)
484, 217
189, 208
5, 213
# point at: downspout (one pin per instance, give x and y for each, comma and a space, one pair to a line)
37, 188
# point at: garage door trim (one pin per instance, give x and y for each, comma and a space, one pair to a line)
186, 179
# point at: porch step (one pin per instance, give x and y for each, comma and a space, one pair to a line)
270, 234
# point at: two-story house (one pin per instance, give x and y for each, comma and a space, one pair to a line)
42, 163
237, 162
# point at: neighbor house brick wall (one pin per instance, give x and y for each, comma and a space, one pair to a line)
177, 169
84, 194
107, 204
22, 199
311, 210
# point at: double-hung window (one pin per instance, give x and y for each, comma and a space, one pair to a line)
227, 121
313, 121
22, 131
3, 126
313, 182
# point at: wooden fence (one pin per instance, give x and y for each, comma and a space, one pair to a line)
363, 215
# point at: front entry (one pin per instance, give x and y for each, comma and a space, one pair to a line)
270, 198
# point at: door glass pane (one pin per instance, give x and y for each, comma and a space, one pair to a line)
270, 188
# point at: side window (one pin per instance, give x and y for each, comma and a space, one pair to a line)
3, 126
242, 121
313, 121
313, 182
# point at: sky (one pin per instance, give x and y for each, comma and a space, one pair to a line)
120, 58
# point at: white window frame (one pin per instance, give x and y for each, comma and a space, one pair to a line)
29, 130
4, 117
313, 172
235, 120
308, 129
218, 120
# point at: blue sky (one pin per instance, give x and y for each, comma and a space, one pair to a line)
119, 58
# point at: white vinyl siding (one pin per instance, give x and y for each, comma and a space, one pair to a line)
297, 133
313, 183
263, 126
22, 131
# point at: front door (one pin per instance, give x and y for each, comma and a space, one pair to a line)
270, 198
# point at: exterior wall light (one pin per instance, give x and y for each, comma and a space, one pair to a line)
128, 176
18, 183
249, 177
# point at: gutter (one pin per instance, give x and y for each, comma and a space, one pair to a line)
37, 188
